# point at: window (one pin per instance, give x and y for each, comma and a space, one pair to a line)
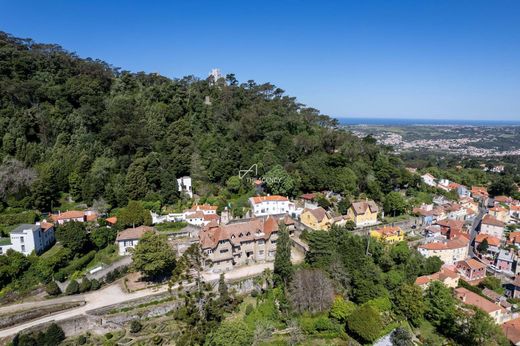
21, 240
224, 250
261, 252
273, 241
23, 248
261, 242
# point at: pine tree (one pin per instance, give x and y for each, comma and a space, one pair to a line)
282, 262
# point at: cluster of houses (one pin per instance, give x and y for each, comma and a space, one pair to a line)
38, 237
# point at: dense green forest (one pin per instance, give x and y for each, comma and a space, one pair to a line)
82, 127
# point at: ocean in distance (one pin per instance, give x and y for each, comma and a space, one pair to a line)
431, 122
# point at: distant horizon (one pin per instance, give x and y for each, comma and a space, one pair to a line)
384, 121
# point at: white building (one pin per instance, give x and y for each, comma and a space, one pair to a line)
449, 251
215, 75
201, 214
271, 205
428, 179
184, 184
490, 225
129, 238
27, 238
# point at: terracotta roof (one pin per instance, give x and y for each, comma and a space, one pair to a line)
91, 217
203, 207
503, 199
498, 209
209, 217
470, 298
454, 225
274, 198
319, 213
473, 264
448, 245
361, 207
514, 237
515, 207
238, 232
491, 220
512, 330
493, 241
441, 275
112, 220
133, 233
389, 230
308, 196
45, 226
71, 214
287, 220
479, 189
453, 186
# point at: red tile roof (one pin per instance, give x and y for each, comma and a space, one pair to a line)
111, 220
470, 298
450, 244
493, 241
472, 264
71, 214
274, 198
389, 230
491, 220
512, 330
308, 196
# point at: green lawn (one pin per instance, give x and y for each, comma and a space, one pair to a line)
105, 256
52, 251
171, 226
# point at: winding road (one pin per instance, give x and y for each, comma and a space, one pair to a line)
107, 296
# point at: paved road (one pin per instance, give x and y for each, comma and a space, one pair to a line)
473, 231
110, 295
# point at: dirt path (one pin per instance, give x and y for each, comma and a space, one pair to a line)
108, 296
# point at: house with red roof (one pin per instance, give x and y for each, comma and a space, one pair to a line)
449, 251
493, 242
448, 277
471, 269
74, 215
495, 311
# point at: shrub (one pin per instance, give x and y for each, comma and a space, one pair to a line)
341, 309
60, 276
85, 285
135, 326
76, 264
156, 340
381, 304
82, 340
94, 284
52, 288
365, 323
72, 288
54, 335
109, 336
249, 309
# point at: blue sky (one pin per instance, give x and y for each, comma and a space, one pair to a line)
419, 59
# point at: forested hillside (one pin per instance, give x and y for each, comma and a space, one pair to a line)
80, 126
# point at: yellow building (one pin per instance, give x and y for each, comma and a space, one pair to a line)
317, 219
363, 213
389, 234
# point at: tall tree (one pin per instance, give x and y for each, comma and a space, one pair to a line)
153, 256
73, 236
283, 268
